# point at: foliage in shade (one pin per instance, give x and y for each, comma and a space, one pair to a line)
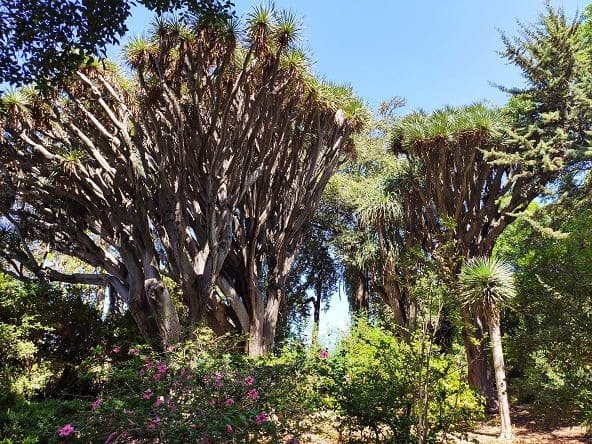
44, 42
548, 341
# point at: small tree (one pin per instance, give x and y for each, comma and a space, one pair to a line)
487, 284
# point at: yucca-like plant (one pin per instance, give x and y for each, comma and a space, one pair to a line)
450, 125
222, 123
15, 103
486, 286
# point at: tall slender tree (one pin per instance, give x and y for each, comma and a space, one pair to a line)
486, 286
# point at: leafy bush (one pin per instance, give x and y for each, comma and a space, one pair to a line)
35, 421
45, 335
194, 392
556, 391
379, 386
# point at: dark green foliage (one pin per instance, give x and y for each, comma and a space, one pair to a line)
552, 113
549, 343
34, 422
43, 41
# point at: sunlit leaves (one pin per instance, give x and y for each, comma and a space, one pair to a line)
486, 285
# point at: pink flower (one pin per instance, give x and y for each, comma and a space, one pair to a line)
170, 348
66, 430
249, 381
151, 424
212, 402
229, 402
324, 354
253, 394
261, 418
162, 368
171, 406
116, 350
156, 376
229, 428
147, 394
134, 351
188, 377
110, 437
217, 383
95, 405
141, 372
158, 402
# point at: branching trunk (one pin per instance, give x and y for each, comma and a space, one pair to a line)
220, 146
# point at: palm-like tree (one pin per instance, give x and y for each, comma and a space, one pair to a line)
487, 284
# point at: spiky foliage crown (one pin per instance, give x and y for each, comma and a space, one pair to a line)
449, 125
486, 285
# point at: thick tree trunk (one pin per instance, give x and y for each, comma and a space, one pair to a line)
391, 294
262, 328
359, 302
500, 378
264, 316
155, 314
479, 370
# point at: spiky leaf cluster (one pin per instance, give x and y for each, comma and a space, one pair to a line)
213, 157
486, 285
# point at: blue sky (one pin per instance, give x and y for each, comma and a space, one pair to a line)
432, 52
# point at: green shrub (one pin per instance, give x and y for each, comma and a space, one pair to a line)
45, 335
378, 385
556, 391
36, 421
194, 392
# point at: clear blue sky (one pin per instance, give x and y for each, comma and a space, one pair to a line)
431, 52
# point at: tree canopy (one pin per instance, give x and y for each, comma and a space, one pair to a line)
44, 41
206, 168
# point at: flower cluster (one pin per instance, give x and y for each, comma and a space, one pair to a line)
186, 394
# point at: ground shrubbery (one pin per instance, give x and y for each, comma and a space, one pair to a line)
195, 392
201, 391
394, 390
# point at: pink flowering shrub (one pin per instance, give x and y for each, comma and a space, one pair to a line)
195, 392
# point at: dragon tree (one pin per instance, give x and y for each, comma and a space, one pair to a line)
203, 170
